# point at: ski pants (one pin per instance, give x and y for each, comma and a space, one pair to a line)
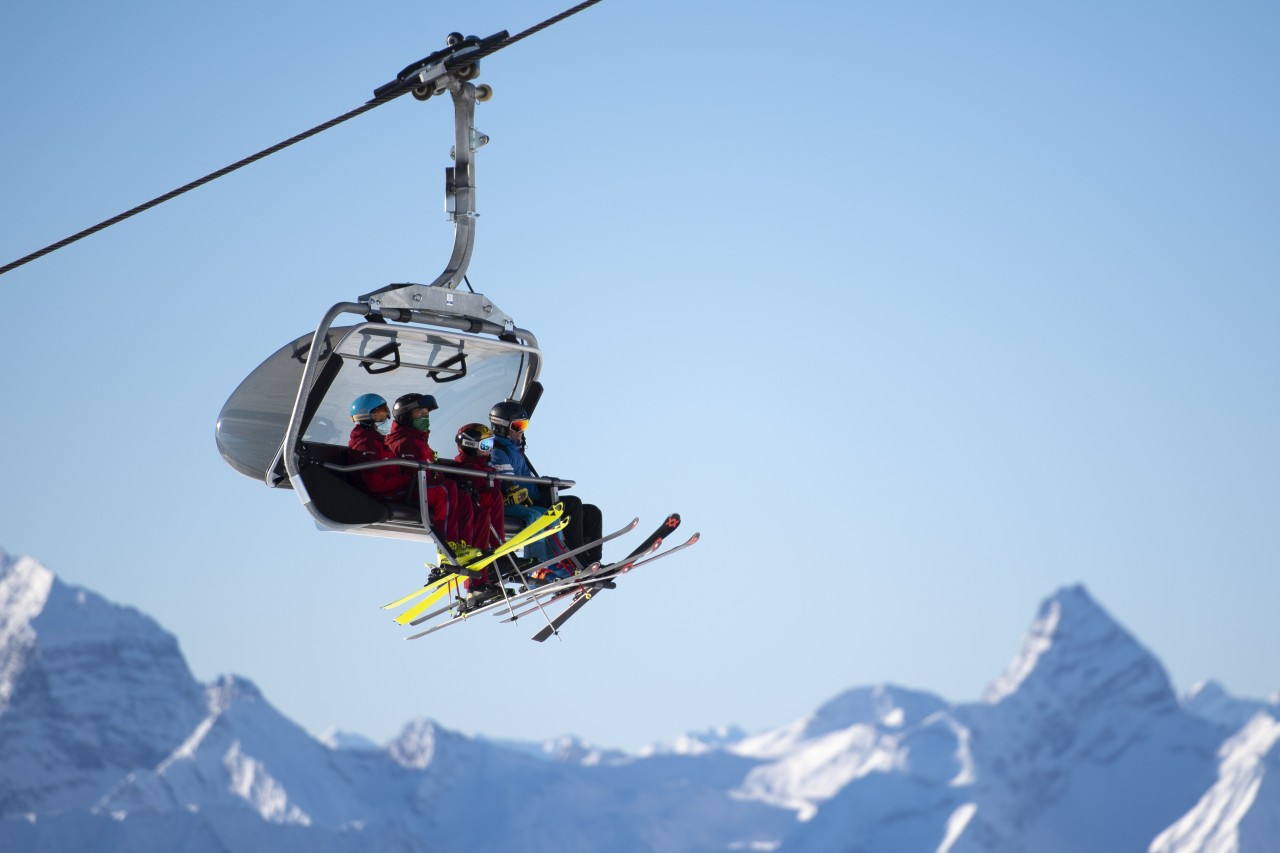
451, 513
486, 529
543, 549
586, 524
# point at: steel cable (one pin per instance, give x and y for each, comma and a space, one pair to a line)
474, 56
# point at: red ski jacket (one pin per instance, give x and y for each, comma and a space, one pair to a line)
489, 508
387, 483
408, 443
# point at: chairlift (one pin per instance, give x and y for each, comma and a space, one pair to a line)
287, 423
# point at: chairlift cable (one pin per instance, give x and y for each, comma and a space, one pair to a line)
388, 93
226, 170
555, 19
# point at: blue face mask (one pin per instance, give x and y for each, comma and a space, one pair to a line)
384, 427
422, 424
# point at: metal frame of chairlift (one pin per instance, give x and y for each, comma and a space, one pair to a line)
408, 310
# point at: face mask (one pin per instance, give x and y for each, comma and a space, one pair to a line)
384, 427
422, 424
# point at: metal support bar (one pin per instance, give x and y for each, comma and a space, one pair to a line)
452, 470
460, 191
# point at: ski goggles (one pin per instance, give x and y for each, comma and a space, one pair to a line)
486, 444
520, 424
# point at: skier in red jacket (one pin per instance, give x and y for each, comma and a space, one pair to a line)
475, 442
452, 514
367, 443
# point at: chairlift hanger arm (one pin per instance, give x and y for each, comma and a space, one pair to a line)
459, 192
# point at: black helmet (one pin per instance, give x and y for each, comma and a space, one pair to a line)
403, 411
475, 440
503, 414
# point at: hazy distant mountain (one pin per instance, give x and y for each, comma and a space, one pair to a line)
1209, 700
107, 743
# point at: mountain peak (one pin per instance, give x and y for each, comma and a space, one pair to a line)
1211, 701
227, 690
415, 746
24, 590
697, 743
336, 739
1077, 647
883, 708
62, 650
884, 705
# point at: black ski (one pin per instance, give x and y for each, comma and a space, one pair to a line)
585, 594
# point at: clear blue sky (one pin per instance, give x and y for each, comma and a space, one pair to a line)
917, 311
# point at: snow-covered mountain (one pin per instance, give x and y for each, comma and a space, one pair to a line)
107, 743
1208, 699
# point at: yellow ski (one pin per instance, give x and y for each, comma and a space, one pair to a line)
516, 541
445, 584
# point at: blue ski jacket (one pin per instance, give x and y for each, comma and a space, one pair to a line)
508, 458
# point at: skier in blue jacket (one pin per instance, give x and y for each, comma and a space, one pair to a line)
509, 420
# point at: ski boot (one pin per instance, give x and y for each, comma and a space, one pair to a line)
478, 596
462, 553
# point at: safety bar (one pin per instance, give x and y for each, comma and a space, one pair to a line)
551, 482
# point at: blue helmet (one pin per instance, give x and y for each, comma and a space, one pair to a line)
362, 408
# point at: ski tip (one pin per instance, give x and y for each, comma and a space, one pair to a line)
405, 599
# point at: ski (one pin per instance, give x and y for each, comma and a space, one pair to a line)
452, 582
585, 594
439, 593
653, 541
544, 588
516, 541
513, 543
593, 575
539, 528
556, 587
548, 524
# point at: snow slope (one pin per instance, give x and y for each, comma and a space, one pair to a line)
1242, 809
